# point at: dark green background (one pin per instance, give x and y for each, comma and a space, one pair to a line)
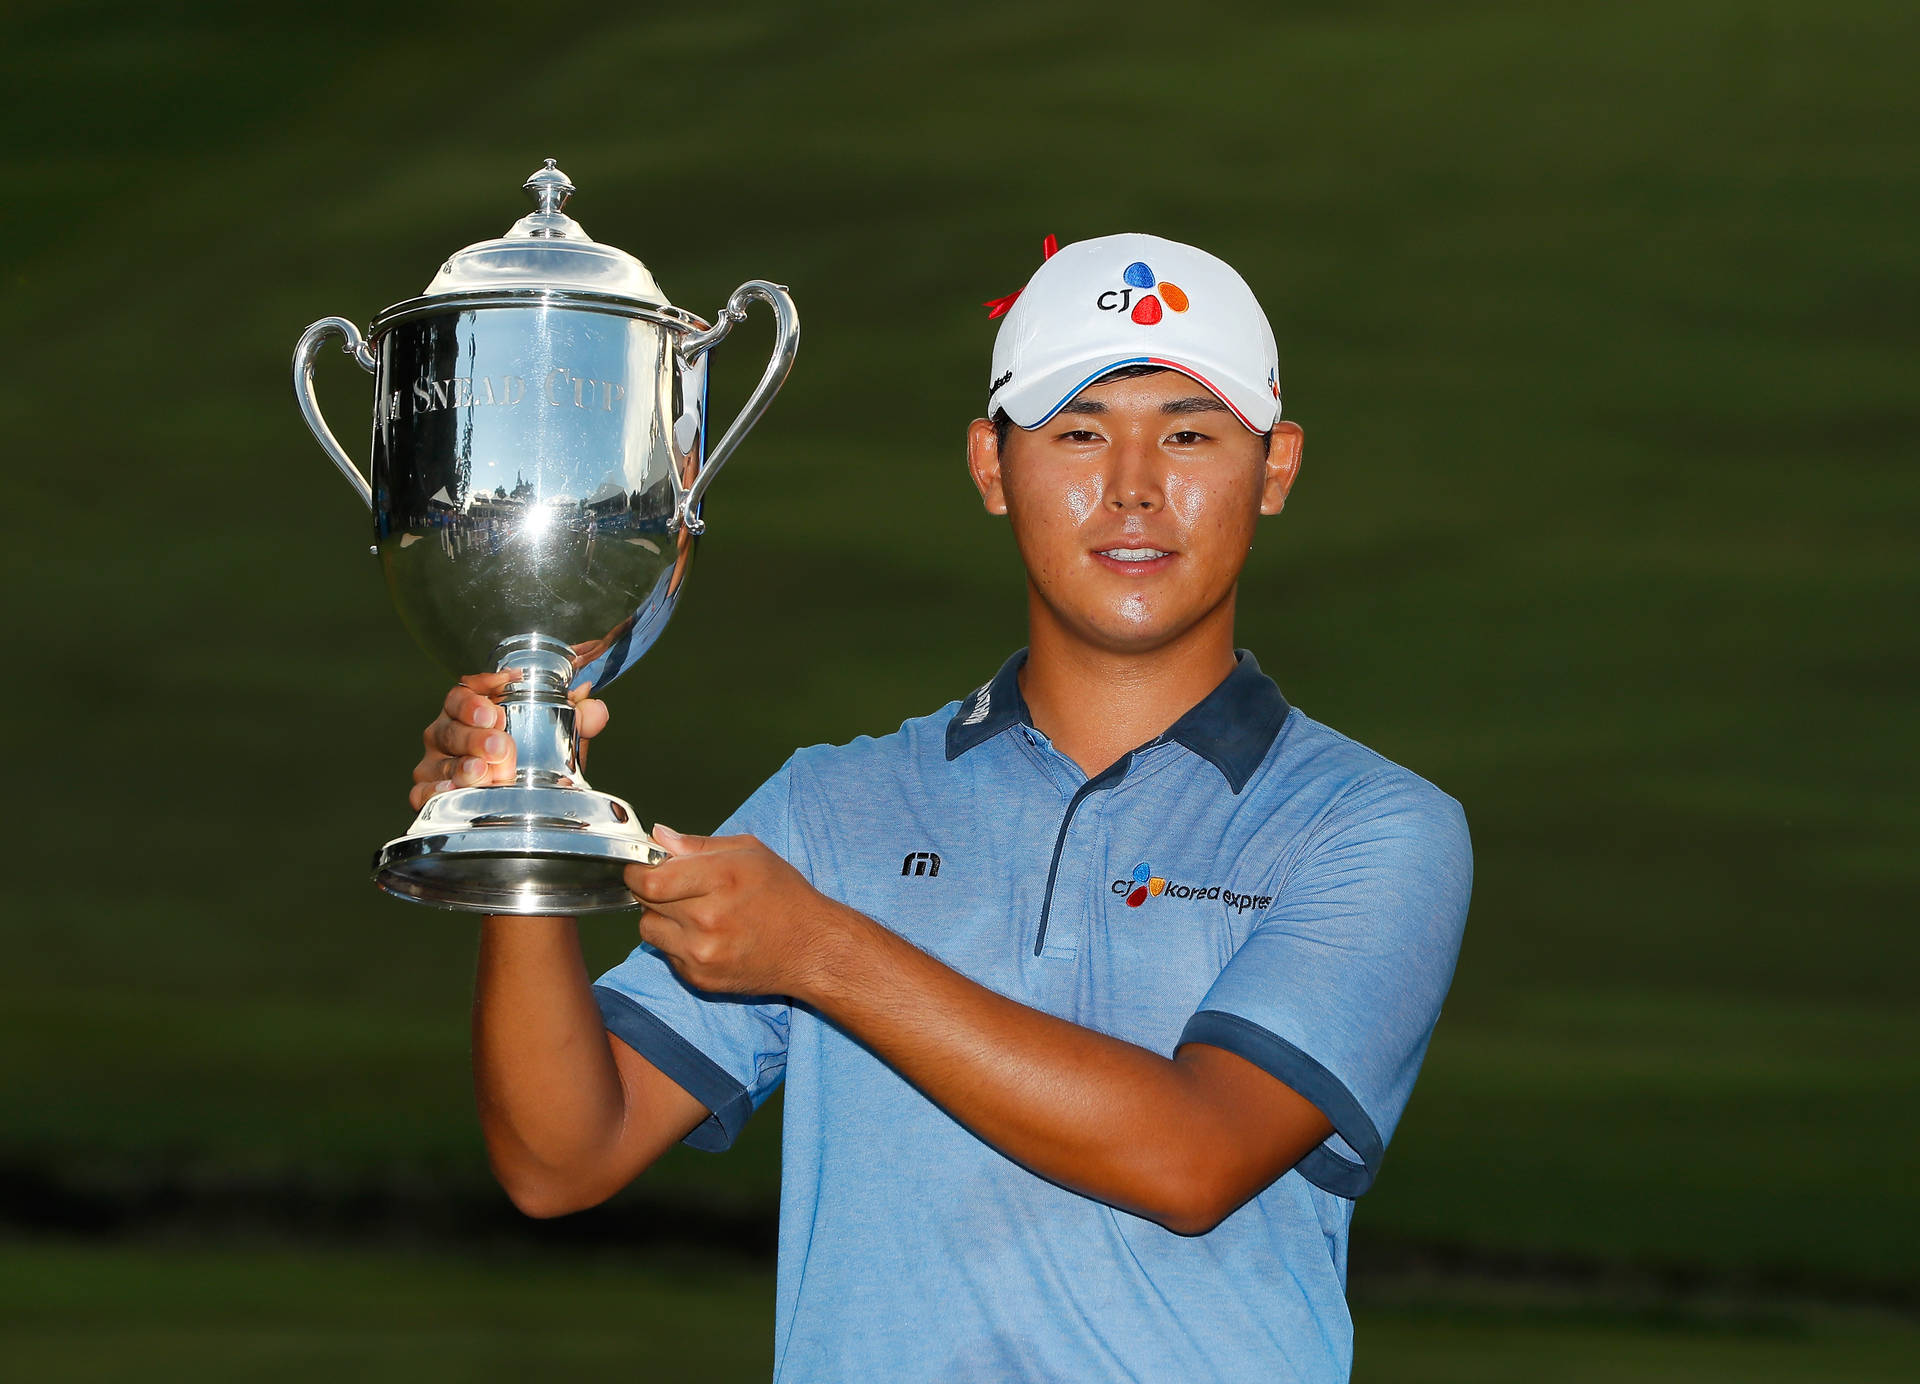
1600, 322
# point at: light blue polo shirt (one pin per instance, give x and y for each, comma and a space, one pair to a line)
1250, 879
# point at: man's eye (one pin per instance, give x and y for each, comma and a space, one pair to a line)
1186, 437
1079, 435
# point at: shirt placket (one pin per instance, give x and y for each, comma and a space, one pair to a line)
1078, 855
1083, 856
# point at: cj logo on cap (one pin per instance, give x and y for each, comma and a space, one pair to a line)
1146, 306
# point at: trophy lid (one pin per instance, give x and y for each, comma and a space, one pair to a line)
547, 249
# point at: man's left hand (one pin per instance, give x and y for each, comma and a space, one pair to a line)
733, 917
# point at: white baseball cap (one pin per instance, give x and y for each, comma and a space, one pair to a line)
1120, 300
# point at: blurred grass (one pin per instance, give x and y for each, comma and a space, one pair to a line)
77, 1312
81, 1313
1599, 320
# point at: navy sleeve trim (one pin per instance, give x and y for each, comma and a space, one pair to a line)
703, 1078
1325, 1169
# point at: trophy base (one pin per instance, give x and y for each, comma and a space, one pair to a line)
519, 850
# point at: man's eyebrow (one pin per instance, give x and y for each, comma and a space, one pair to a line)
1193, 403
1082, 404
1198, 403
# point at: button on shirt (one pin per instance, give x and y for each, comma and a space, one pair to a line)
1251, 879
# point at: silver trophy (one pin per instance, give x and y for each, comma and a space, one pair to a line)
539, 457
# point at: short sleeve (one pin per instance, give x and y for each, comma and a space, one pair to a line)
728, 1051
1337, 989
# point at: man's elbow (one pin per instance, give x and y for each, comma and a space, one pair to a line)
1192, 1205
541, 1204
1196, 1221
544, 1198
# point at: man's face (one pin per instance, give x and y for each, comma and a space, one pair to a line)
1134, 506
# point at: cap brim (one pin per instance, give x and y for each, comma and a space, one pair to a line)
1030, 403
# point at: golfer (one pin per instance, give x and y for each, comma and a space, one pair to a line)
1098, 992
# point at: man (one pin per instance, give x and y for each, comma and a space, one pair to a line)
1096, 993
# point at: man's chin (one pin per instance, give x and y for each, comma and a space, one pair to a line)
1131, 623
1134, 636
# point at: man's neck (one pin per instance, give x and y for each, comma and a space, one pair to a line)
1095, 704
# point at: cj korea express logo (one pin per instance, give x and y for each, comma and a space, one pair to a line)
1145, 885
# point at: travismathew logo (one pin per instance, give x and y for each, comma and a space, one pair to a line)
1145, 885
983, 703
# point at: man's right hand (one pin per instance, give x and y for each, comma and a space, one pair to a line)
468, 744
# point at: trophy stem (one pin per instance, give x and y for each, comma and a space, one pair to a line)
539, 717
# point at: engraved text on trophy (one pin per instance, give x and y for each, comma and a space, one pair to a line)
562, 388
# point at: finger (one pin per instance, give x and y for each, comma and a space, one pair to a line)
451, 738
579, 694
461, 770
434, 767
457, 771
659, 930
672, 881
423, 791
472, 706
490, 684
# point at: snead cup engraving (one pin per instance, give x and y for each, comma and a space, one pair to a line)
558, 388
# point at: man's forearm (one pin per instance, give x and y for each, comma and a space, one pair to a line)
548, 1091
1106, 1118
1181, 1140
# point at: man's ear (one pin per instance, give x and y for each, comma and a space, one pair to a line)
1282, 465
983, 461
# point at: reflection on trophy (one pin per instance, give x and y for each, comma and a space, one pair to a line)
539, 458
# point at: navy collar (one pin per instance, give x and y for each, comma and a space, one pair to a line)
1232, 728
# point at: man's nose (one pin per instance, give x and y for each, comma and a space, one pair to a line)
1133, 478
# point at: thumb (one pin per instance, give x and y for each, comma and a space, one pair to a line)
678, 842
589, 717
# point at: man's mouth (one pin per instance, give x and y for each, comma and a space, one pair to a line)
1133, 560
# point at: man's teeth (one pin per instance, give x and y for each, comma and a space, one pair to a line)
1133, 554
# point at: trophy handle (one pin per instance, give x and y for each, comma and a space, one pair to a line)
786, 340
304, 354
